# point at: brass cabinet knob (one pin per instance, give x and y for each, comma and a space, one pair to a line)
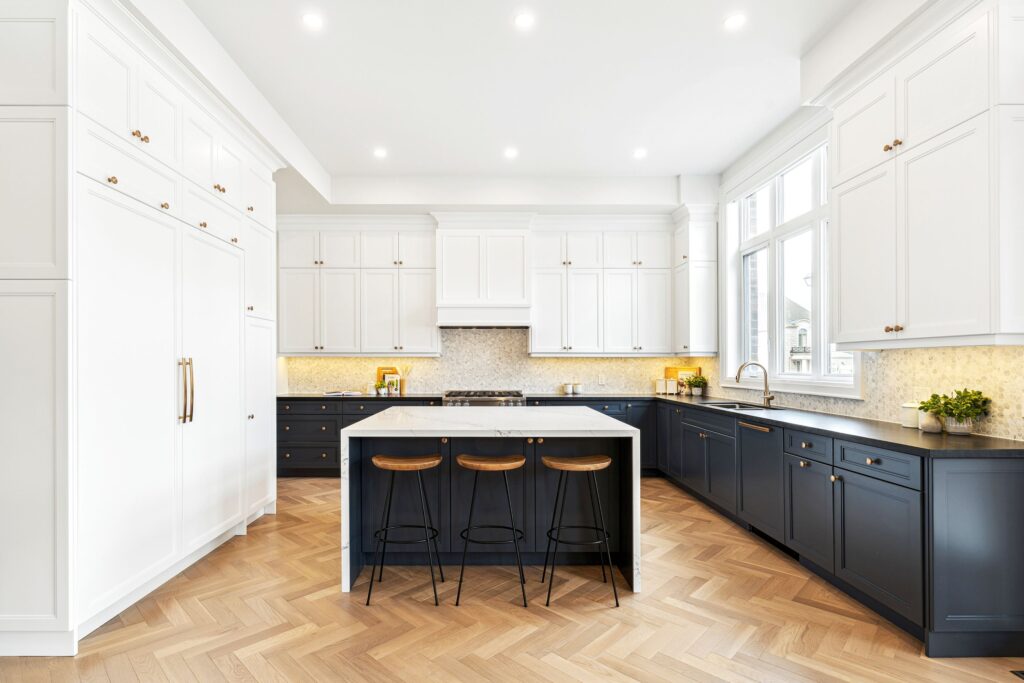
323, 428
287, 407
890, 328
897, 142
164, 205
234, 240
606, 407
202, 224
287, 456
678, 411
223, 189
540, 440
897, 328
886, 148
360, 407
323, 407
444, 439
323, 456
249, 209
287, 428
136, 133
216, 186
804, 464
145, 138
872, 461
251, 416
112, 180
530, 440
806, 444
833, 478
250, 308
431, 403
570, 263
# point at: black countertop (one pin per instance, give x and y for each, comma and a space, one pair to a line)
871, 432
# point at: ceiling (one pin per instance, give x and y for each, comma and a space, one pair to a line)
446, 85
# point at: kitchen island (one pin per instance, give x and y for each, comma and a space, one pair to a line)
533, 432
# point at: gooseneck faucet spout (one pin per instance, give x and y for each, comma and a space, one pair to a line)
768, 398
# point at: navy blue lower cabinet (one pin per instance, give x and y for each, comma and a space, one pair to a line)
491, 506
878, 541
760, 495
643, 416
665, 415
721, 470
675, 449
809, 510
406, 507
694, 461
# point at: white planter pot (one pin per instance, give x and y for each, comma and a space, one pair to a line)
697, 391
929, 422
954, 426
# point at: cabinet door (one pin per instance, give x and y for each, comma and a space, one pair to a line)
258, 244
105, 75
721, 466
340, 249
760, 496
643, 416
653, 250
416, 249
298, 310
584, 249
417, 318
654, 311
548, 249
675, 446
199, 146
878, 534
259, 194
461, 267
213, 440
339, 310
681, 309
228, 171
862, 126
379, 311
944, 185
491, 505
548, 314
703, 307
620, 250
808, 499
666, 415
925, 102
260, 430
298, 248
505, 275
695, 459
158, 121
584, 325
379, 249
620, 311
864, 256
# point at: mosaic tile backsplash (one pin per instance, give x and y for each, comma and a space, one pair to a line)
498, 359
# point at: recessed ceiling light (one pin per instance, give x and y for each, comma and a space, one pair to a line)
511, 152
734, 22
524, 21
380, 152
640, 153
314, 22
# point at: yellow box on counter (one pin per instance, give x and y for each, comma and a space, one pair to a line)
679, 373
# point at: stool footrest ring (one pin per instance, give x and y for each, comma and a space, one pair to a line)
555, 535
379, 534
464, 534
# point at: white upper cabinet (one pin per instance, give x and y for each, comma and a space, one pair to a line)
653, 250
379, 249
654, 311
298, 312
34, 36
548, 249
298, 249
585, 297
259, 195
339, 249
258, 243
199, 146
584, 249
416, 249
158, 116
620, 250
863, 129
620, 295
548, 315
379, 311
417, 311
228, 172
339, 310
483, 267
106, 75
505, 279
695, 303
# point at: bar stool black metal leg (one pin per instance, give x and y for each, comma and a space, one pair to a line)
515, 538
593, 509
385, 515
554, 556
604, 532
554, 511
430, 518
426, 536
385, 525
465, 542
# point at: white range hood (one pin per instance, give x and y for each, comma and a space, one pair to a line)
483, 269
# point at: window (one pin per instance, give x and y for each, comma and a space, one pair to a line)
779, 233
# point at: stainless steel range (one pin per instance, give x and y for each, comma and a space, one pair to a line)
483, 398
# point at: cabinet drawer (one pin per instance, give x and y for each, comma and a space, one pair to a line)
308, 407
372, 407
609, 407
307, 456
807, 445
307, 429
108, 161
899, 468
723, 424
204, 212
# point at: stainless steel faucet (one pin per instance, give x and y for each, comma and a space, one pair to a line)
768, 398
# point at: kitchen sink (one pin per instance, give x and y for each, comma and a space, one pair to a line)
736, 405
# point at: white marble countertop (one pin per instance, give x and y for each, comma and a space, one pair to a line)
549, 421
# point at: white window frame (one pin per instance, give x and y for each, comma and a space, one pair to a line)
734, 248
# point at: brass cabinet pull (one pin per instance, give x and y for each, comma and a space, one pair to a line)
540, 440
249, 209
872, 461
360, 408
757, 428
136, 133
678, 411
833, 478
897, 142
251, 416
897, 328
202, 224
217, 187
287, 456
287, 407
184, 391
112, 180
323, 428
606, 407
234, 240
804, 464
164, 205
806, 444
287, 428
444, 439
530, 440
887, 148
890, 328
191, 390
145, 138
323, 456
250, 308
323, 407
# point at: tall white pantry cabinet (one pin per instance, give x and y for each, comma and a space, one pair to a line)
137, 300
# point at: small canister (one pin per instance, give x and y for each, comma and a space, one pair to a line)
659, 386
671, 386
909, 415
567, 388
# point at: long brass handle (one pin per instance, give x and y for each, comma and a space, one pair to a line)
184, 391
758, 428
191, 390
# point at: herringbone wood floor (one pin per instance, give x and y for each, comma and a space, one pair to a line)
719, 605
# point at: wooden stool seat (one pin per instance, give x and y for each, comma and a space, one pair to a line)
586, 463
482, 463
406, 464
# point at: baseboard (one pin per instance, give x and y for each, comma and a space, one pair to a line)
38, 643
974, 644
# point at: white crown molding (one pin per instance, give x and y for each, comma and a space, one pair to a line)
356, 222
601, 223
490, 220
694, 213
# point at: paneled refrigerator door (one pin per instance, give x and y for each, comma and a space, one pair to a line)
261, 415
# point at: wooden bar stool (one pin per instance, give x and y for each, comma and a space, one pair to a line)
502, 464
587, 464
405, 464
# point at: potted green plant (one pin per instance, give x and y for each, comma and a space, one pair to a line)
697, 384
929, 420
959, 411
382, 388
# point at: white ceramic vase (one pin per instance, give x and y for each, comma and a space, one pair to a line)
955, 426
929, 422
